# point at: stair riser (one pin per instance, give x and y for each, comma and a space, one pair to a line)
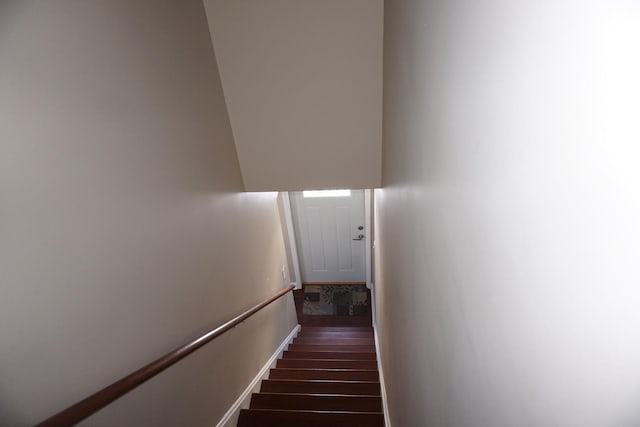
322, 374
350, 333
270, 418
333, 341
334, 337
356, 348
328, 355
316, 402
337, 387
326, 364
348, 329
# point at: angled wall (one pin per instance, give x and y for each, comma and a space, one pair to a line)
123, 228
303, 84
509, 221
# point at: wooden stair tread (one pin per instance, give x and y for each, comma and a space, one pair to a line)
326, 337
321, 402
350, 355
326, 347
321, 386
333, 341
295, 418
315, 330
335, 374
328, 376
322, 381
336, 329
329, 334
326, 363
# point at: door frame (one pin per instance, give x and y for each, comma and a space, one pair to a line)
294, 259
368, 236
292, 253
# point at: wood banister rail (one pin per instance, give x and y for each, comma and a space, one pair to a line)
92, 404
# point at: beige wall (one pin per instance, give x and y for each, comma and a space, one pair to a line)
122, 227
509, 222
303, 83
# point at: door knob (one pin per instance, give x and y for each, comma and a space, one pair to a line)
360, 237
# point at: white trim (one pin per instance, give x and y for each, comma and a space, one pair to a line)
230, 419
383, 387
367, 233
288, 219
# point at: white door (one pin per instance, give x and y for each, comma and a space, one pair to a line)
330, 236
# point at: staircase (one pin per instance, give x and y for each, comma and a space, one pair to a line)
328, 377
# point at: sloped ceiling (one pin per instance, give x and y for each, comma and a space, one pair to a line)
303, 84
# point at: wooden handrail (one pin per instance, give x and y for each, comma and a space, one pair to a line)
92, 404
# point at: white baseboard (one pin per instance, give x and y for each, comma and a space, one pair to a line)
230, 419
383, 388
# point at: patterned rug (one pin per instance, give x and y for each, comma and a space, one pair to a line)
342, 300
